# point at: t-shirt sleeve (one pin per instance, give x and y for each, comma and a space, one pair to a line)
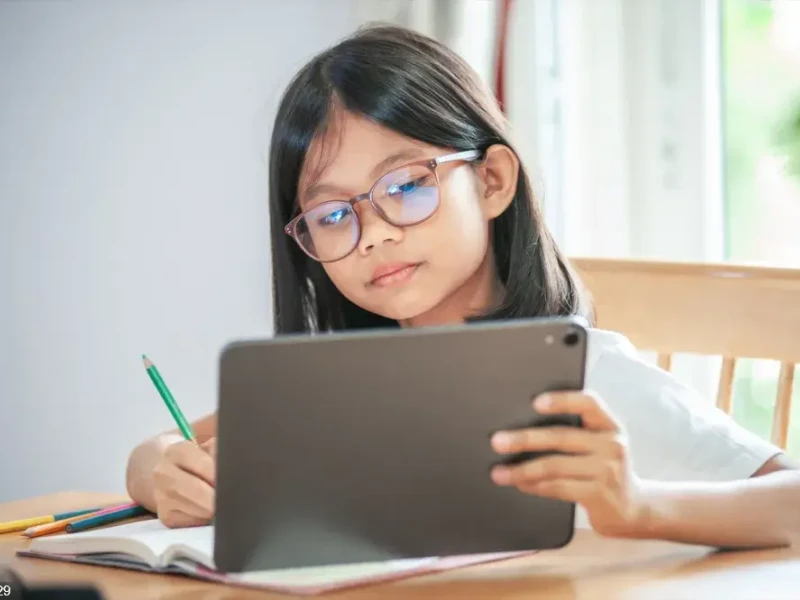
674, 433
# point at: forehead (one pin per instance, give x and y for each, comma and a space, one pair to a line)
351, 148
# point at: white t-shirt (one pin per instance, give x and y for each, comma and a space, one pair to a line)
674, 434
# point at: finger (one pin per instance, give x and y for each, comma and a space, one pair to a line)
173, 514
176, 519
192, 459
569, 490
210, 446
179, 489
176, 513
195, 496
558, 439
593, 411
549, 467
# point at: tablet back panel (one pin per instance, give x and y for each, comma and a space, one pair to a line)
366, 447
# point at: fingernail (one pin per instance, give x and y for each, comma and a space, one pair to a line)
501, 440
500, 475
543, 402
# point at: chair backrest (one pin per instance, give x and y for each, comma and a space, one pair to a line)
723, 310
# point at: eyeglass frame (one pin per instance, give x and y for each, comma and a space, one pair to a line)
432, 163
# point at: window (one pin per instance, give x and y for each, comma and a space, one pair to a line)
761, 142
761, 100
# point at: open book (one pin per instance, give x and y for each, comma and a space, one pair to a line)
149, 546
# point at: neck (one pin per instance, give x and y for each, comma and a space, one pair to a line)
478, 293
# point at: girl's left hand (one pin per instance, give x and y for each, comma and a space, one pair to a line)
594, 472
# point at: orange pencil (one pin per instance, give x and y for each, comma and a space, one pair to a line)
59, 526
28, 522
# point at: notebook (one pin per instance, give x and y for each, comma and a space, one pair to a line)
149, 546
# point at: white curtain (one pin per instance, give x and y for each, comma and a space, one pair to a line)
467, 26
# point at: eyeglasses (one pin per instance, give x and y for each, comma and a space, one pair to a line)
403, 197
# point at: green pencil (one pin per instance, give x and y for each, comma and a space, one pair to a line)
111, 517
166, 395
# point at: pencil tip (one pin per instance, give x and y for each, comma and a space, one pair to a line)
147, 362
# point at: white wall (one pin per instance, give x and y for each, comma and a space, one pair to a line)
133, 215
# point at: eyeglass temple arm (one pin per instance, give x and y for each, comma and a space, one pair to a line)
465, 155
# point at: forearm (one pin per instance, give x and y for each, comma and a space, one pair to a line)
757, 512
141, 463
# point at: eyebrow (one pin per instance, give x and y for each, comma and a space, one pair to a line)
378, 170
393, 159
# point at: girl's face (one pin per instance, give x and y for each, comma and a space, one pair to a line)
435, 272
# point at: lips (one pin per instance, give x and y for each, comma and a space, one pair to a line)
392, 273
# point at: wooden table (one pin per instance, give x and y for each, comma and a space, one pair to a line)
589, 568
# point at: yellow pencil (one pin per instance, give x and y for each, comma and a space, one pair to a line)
23, 524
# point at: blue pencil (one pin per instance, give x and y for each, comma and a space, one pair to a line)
112, 517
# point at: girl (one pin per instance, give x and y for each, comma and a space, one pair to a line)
397, 199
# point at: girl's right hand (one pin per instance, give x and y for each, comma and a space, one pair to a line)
184, 484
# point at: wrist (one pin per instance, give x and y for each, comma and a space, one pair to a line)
645, 514
137, 477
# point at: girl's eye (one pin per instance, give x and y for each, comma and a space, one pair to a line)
334, 218
406, 188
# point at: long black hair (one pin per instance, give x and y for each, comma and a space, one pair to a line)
417, 87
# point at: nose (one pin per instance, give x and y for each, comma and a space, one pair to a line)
375, 231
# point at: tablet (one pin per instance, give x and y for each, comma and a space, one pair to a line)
372, 446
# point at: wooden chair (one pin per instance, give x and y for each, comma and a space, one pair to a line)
713, 309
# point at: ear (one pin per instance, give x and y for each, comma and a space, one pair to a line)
498, 171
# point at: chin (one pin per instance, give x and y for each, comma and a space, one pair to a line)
404, 309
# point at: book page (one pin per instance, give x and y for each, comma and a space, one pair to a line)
147, 540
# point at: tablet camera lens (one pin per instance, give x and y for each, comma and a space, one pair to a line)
571, 338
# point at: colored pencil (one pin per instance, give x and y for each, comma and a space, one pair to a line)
23, 524
169, 400
61, 525
111, 517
